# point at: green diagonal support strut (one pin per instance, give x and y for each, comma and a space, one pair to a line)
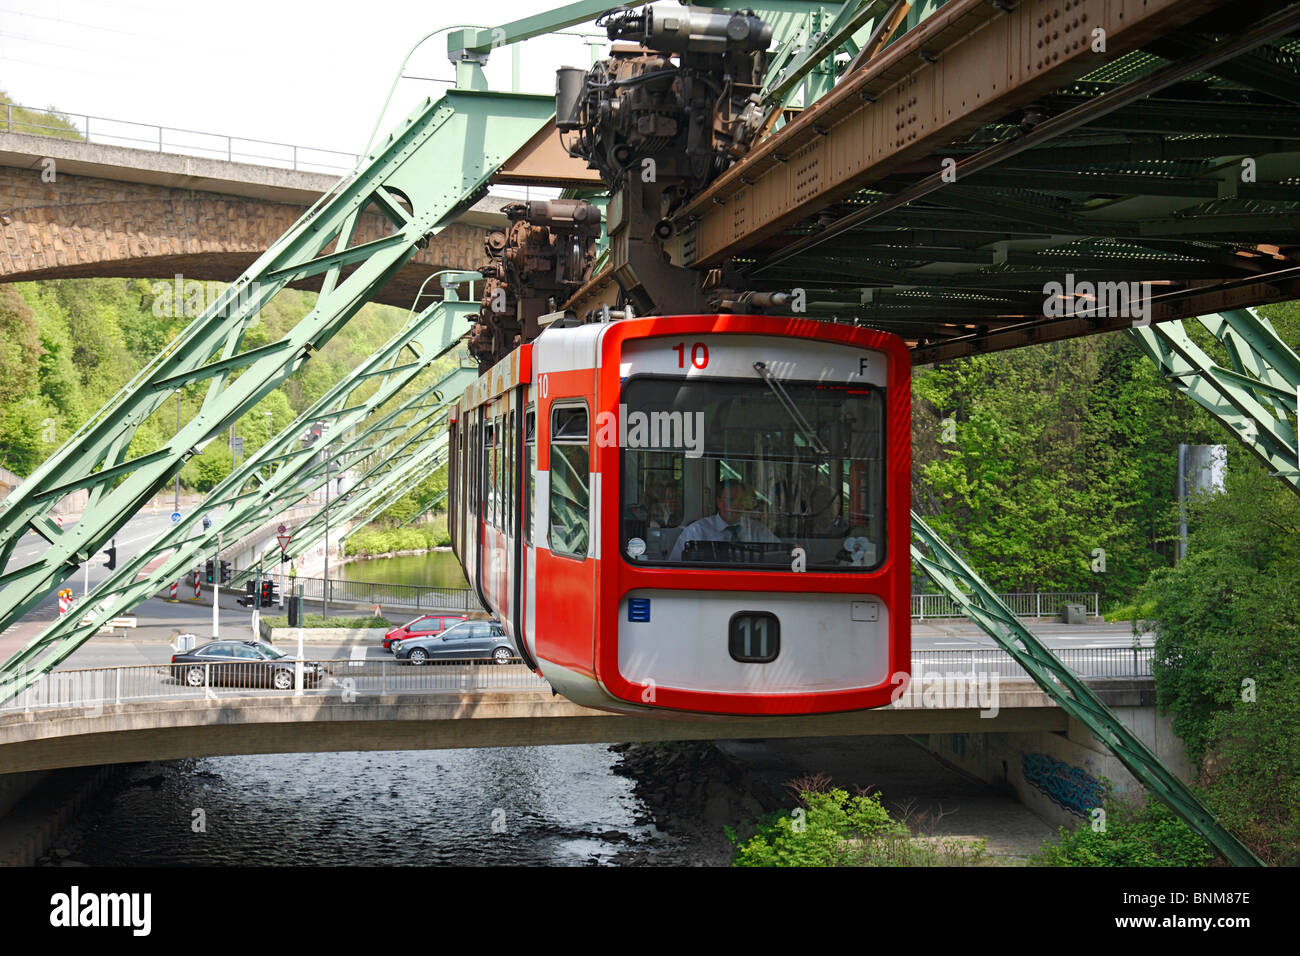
982, 606
385, 376
1256, 398
430, 167
381, 488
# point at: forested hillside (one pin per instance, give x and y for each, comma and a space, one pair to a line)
68, 346
1029, 461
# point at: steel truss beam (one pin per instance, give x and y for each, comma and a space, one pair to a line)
969, 592
381, 486
1087, 113
1253, 398
254, 493
434, 163
934, 86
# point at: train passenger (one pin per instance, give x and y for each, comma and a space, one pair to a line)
666, 505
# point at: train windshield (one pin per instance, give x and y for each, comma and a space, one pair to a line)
766, 474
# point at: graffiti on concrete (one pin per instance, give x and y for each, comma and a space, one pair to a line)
1068, 787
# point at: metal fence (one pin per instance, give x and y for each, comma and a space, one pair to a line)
415, 597
167, 139
1132, 662
1022, 604
92, 688
420, 598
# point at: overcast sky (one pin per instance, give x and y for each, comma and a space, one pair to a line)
306, 73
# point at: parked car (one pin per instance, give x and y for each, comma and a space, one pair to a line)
241, 664
426, 625
469, 640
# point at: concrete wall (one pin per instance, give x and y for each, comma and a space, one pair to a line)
1061, 775
15, 786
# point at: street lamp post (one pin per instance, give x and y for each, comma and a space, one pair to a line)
216, 591
176, 501
325, 585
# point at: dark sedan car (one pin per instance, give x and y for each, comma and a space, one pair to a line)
241, 664
472, 640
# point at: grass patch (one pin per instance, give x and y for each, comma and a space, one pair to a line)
315, 620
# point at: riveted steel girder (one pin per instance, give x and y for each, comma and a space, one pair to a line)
436, 161
969, 592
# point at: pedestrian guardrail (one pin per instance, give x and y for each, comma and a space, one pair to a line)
83, 127
1022, 604
93, 688
421, 598
369, 593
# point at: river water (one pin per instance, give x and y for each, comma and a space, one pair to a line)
520, 805
438, 569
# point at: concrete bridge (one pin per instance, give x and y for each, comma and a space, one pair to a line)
70, 209
346, 718
985, 717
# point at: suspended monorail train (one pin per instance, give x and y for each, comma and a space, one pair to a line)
694, 513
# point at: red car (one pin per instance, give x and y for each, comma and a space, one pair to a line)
426, 625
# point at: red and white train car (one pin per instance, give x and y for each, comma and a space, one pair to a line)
695, 513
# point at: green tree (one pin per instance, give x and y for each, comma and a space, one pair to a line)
1227, 623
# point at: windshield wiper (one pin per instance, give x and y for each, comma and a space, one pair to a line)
787, 403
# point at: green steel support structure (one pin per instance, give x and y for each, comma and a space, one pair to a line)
1253, 398
383, 485
251, 497
981, 605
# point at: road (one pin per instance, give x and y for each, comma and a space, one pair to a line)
133, 538
160, 620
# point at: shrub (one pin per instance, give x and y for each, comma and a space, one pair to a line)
836, 829
1147, 835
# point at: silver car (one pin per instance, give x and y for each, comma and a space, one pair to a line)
469, 640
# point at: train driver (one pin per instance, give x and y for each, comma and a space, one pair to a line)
729, 524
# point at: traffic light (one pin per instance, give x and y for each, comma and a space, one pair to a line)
295, 608
250, 597
111, 554
207, 571
225, 572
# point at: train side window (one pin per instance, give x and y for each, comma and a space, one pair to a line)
512, 509
489, 469
472, 472
502, 439
530, 463
570, 498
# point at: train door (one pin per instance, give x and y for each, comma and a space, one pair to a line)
567, 546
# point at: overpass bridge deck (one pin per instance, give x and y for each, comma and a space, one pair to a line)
252, 723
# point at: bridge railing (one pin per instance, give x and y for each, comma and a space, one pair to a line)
93, 688
421, 598
1022, 604
411, 596
167, 139
1130, 662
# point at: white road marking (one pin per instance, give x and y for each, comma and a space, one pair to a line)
358, 656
